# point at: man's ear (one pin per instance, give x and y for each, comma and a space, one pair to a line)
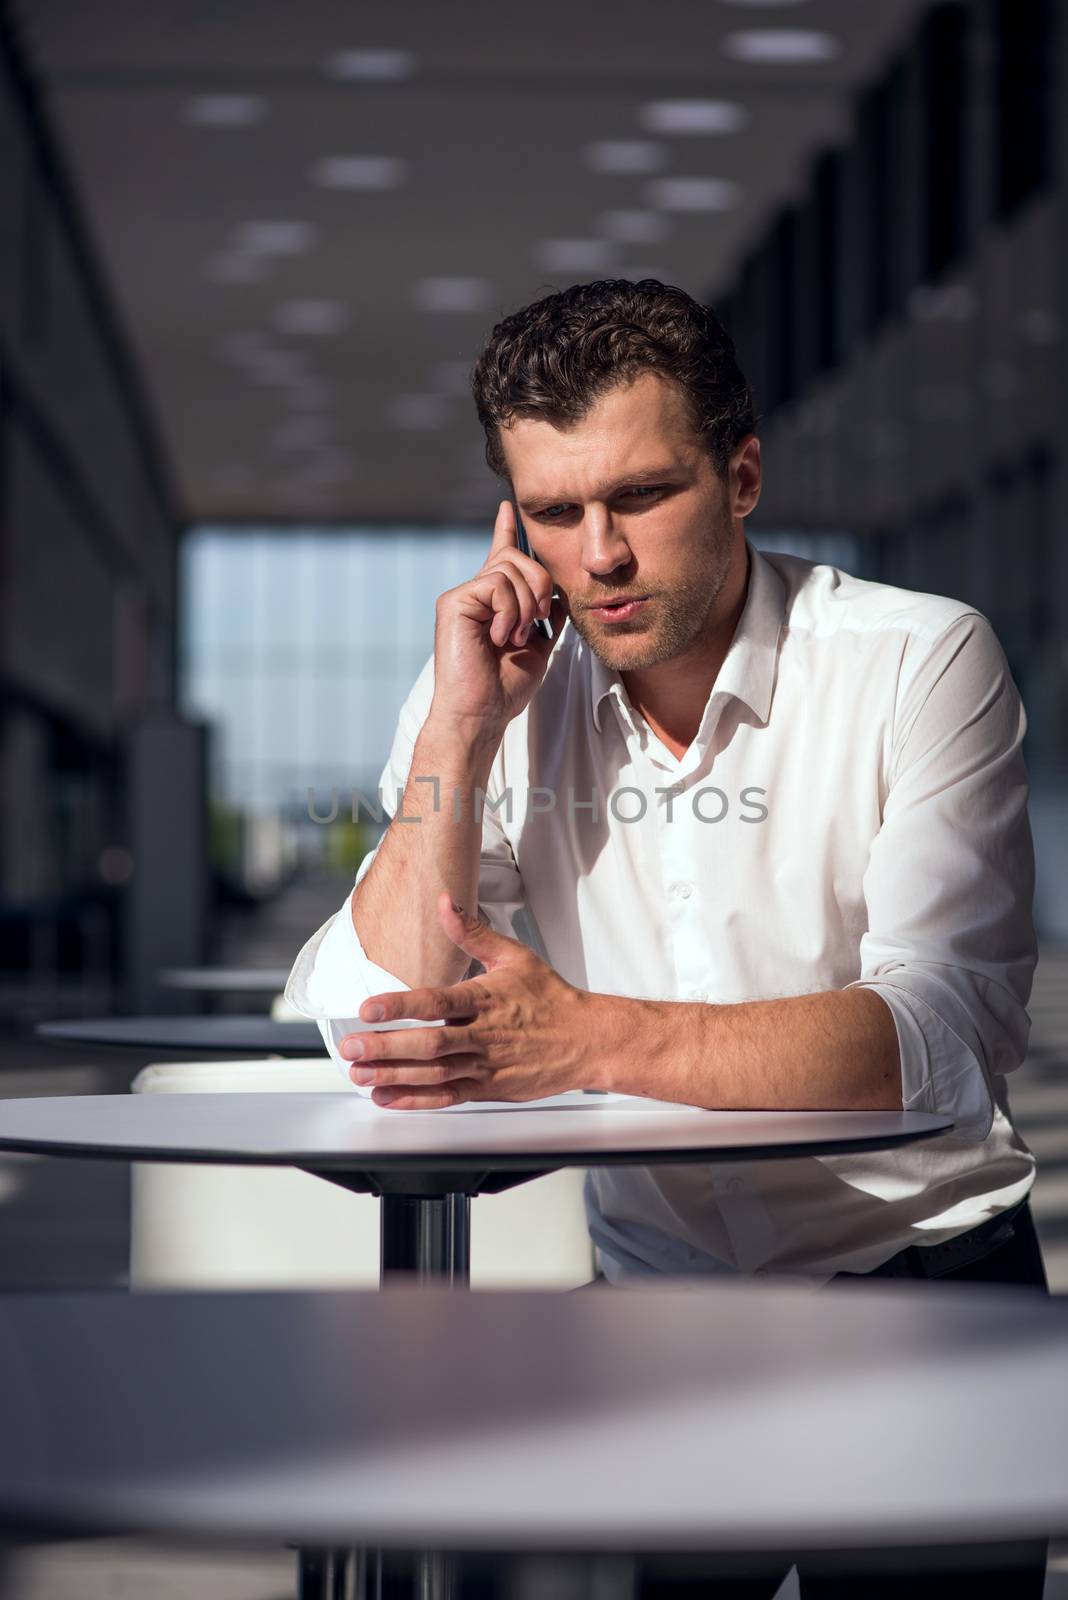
745, 476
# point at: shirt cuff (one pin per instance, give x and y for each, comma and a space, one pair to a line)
940, 1073
331, 978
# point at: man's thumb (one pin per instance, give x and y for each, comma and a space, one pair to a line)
473, 934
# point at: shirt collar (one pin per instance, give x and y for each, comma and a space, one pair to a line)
748, 670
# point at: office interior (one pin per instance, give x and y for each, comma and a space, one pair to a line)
247, 257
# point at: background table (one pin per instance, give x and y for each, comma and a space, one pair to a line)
738, 1417
242, 1034
224, 980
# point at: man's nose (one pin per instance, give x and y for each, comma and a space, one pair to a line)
603, 545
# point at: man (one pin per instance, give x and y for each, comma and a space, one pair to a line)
765, 825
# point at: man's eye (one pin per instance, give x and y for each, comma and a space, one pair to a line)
644, 490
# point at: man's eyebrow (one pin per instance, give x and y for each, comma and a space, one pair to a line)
641, 475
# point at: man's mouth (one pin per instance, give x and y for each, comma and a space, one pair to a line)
618, 610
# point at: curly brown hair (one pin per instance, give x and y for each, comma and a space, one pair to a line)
557, 356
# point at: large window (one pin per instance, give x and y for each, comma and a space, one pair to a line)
299, 646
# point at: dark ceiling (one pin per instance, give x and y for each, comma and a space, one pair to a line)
313, 213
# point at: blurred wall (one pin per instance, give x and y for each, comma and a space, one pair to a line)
88, 534
904, 325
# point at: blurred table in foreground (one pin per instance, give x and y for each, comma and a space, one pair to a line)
729, 1418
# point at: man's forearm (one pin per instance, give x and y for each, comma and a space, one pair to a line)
437, 847
832, 1051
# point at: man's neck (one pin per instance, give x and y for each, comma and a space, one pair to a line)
672, 695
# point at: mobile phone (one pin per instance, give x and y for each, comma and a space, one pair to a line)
540, 623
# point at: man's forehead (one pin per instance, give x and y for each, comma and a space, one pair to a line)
636, 441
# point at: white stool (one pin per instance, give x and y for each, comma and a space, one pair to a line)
229, 1227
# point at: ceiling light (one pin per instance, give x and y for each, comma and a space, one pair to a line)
453, 294
276, 367
332, 466
301, 433
311, 316
370, 66
310, 394
234, 267
1040, 326
953, 303
224, 110
574, 255
274, 238
792, 45
694, 194
359, 172
452, 377
243, 344
422, 411
625, 155
634, 227
693, 116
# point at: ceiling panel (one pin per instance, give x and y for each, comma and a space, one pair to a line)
367, 418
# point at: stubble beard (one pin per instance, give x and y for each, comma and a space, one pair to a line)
677, 617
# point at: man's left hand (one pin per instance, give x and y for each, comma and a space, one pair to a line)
517, 1032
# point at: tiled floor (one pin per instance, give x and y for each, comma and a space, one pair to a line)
67, 1223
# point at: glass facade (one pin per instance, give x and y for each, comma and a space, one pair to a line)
300, 645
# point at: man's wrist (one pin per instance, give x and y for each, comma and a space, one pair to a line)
632, 1037
459, 753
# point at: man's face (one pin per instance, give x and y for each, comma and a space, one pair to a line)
627, 504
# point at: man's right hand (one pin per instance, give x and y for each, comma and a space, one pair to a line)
488, 657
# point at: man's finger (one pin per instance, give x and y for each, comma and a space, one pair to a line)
420, 1074
505, 536
399, 1044
408, 1098
424, 1005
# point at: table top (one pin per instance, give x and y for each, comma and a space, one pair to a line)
721, 1417
250, 980
344, 1131
247, 1034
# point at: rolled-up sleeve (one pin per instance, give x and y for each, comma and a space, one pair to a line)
333, 974
950, 944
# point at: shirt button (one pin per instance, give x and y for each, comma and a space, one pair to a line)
682, 891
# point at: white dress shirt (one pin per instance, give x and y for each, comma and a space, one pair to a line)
852, 811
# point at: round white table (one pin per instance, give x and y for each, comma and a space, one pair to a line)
247, 1035
426, 1166
734, 1417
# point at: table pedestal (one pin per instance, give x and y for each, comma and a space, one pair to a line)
426, 1236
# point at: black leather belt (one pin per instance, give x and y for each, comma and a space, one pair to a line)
934, 1260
